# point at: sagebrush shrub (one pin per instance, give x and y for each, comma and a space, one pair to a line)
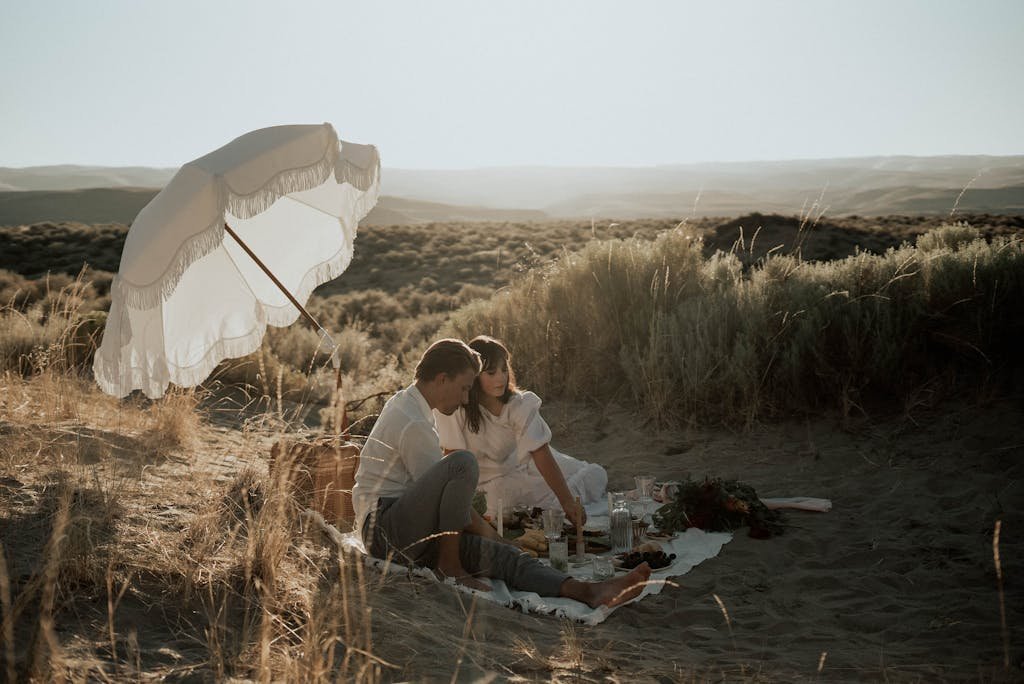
687, 337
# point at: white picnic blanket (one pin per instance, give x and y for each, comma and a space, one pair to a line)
691, 548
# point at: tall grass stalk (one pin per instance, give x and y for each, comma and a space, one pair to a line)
45, 648
7, 625
276, 607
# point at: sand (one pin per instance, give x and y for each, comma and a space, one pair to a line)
896, 583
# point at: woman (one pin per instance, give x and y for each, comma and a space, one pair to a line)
502, 426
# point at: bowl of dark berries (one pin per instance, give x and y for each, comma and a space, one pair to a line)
650, 553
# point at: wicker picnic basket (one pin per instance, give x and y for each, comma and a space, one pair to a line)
320, 475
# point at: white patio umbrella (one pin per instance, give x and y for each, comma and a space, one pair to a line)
237, 240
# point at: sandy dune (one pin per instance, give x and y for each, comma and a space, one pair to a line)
897, 582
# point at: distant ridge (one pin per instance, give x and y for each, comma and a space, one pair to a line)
72, 177
122, 205
869, 186
92, 205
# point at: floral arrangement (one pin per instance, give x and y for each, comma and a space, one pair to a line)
718, 505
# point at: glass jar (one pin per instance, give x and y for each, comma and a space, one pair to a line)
621, 525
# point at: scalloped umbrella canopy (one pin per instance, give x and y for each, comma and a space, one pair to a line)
186, 295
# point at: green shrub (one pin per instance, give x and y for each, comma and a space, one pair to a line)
687, 338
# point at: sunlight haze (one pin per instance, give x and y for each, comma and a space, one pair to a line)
447, 85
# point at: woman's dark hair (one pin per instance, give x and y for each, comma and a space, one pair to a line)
492, 353
450, 357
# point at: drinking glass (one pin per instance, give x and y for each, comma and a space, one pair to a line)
553, 520
645, 489
638, 517
644, 486
603, 568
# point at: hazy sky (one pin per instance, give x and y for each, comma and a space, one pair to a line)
446, 84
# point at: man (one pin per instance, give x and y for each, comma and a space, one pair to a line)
415, 504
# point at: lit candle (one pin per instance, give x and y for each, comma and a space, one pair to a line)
501, 522
581, 546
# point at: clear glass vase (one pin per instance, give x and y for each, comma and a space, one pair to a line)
621, 525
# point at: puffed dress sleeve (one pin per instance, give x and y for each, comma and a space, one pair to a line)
530, 429
449, 430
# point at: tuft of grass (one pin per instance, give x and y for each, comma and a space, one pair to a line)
277, 605
52, 323
174, 421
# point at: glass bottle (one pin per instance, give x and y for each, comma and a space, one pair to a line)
621, 525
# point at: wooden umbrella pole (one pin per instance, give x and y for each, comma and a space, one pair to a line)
280, 285
302, 310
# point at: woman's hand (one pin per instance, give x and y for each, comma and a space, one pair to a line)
570, 515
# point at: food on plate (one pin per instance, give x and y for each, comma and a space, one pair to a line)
534, 540
655, 559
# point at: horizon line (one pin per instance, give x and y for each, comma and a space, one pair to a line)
660, 165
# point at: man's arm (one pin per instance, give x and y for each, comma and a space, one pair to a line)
418, 448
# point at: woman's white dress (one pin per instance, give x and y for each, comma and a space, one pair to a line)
502, 448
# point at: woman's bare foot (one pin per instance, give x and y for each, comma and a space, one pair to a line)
611, 592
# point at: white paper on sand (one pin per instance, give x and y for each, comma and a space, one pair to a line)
691, 548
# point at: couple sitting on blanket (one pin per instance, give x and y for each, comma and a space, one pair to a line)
413, 502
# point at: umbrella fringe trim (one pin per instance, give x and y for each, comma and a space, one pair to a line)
301, 179
280, 317
119, 382
149, 296
361, 179
283, 183
211, 237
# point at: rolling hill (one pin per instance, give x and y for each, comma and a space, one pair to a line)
869, 186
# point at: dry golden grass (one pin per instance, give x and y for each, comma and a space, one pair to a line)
148, 539
395, 298
118, 559
107, 501
690, 339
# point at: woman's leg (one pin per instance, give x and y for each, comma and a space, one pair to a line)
589, 481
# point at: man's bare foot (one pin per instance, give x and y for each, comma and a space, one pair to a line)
464, 578
611, 592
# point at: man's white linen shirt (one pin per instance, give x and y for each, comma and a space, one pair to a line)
401, 447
